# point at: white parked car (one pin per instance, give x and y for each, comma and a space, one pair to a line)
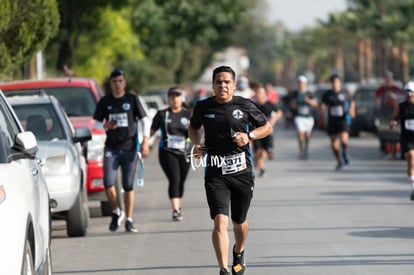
25, 227
61, 153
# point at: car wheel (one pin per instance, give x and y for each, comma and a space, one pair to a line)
78, 217
28, 265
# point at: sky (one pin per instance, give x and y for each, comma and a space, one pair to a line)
296, 14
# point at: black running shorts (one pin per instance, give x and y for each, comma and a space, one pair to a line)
236, 191
264, 143
336, 127
406, 146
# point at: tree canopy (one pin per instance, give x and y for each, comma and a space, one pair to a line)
26, 26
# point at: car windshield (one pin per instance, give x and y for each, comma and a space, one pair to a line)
41, 119
77, 101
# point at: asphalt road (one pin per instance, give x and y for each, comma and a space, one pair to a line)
305, 218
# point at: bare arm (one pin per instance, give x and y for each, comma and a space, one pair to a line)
352, 109
242, 139
194, 135
275, 117
311, 101
395, 117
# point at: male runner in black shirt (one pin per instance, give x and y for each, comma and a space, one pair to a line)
118, 113
404, 115
341, 110
228, 173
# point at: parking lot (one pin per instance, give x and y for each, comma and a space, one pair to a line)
305, 218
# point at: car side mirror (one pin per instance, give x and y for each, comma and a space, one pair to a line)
82, 134
26, 143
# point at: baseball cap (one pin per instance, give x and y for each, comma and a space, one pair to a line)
302, 78
116, 72
409, 87
174, 90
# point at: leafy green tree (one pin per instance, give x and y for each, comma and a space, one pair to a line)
178, 34
78, 18
25, 27
109, 45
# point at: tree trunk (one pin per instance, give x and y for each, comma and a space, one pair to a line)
395, 61
380, 66
338, 59
64, 55
368, 58
361, 59
289, 72
405, 67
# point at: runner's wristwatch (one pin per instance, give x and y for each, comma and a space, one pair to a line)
251, 135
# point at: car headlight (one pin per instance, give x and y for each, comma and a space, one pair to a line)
96, 147
58, 165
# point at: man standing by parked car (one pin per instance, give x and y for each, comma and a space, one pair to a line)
118, 113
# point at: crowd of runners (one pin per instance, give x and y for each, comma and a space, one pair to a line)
232, 132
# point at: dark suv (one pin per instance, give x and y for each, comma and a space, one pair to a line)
366, 118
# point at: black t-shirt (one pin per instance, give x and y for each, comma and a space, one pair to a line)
174, 128
220, 122
267, 108
338, 105
124, 111
303, 109
406, 115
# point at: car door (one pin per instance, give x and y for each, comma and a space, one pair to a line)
26, 202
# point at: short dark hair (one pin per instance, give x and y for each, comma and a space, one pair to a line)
224, 69
116, 72
333, 77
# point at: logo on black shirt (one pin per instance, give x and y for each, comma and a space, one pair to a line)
126, 106
237, 114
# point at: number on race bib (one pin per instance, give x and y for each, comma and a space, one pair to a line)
234, 163
337, 111
409, 124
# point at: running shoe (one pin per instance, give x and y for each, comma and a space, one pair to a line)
262, 173
116, 221
412, 195
338, 167
345, 158
224, 271
129, 227
239, 263
177, 216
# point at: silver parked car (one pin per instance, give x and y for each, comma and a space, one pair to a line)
24, 201
62, 156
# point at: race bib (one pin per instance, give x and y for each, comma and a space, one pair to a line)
176, 142
120, 118
337, 111
234, 163
304, 110
409, 124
